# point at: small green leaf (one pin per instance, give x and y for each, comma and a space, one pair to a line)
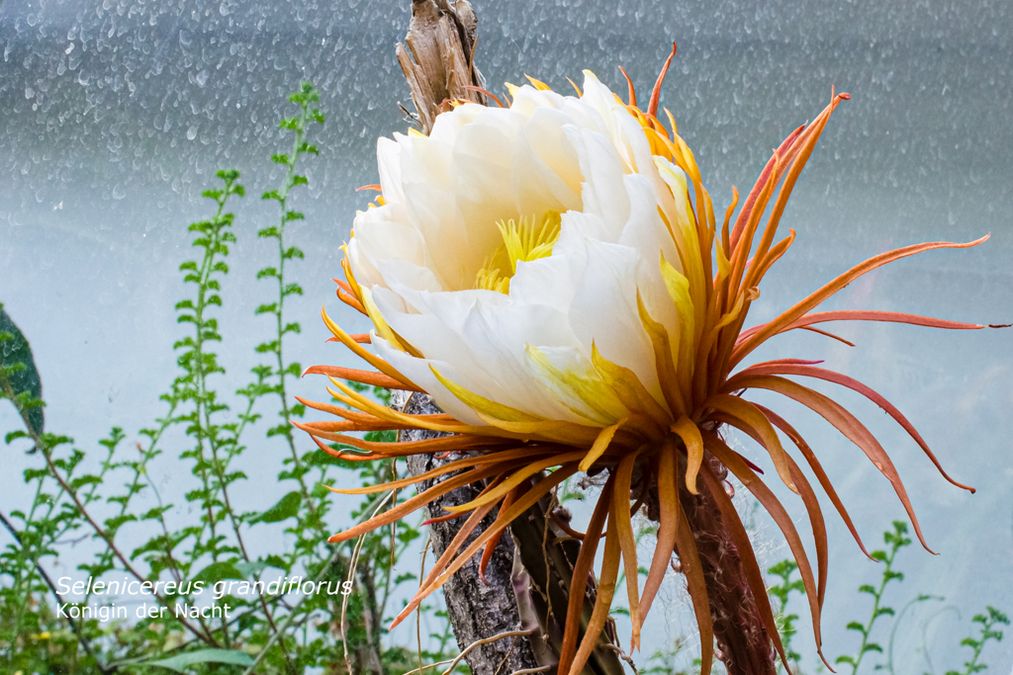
276, 561
181, 662
218, 571
16, 359
286, 507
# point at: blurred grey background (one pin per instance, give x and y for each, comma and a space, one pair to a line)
114, 116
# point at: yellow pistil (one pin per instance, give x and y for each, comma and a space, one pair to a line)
524, 239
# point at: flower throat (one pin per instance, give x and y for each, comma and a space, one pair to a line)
528, 238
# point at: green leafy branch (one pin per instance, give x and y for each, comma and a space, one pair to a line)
895, 540
308, 530
199, 361
781, 592
988, 631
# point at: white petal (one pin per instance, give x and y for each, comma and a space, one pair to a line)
603, 191
418, 371
388, 160
586, 158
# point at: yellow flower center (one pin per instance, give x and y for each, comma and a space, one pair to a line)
528, 238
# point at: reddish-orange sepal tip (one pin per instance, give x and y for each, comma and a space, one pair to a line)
652, 107
630, 89
443, 518
486, 92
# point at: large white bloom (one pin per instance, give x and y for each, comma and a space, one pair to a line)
504, 262
540, 272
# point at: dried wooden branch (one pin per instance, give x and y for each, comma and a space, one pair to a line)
437, 57
478, 608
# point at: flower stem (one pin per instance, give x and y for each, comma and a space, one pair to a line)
743, 644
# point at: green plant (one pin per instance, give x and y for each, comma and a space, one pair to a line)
111, 496
988, 631
781, 591
30, 629
895, 540
273, 376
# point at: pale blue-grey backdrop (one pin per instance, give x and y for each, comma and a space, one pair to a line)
115, 114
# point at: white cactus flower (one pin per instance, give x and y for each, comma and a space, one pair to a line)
553, 275
506, 258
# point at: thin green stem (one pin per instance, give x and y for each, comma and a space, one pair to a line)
197, 358
896, 540
290, 173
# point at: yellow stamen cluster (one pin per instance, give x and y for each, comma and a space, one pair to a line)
528, 238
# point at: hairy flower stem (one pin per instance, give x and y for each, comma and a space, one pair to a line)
742, 641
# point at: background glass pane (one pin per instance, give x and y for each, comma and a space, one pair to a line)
116, 114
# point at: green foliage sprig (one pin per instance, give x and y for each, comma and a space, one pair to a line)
310, 532
781, 591
112, 495
895, 540
988, 631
